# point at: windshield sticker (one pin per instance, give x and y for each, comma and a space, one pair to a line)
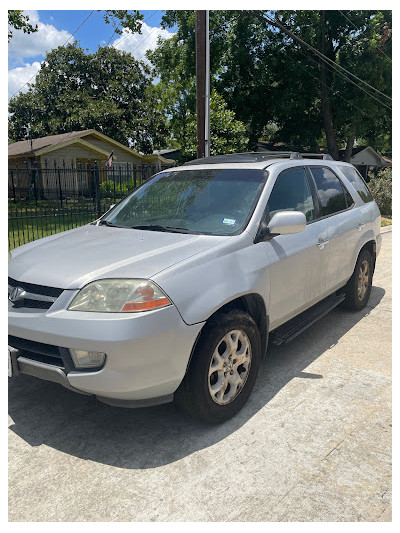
229, 221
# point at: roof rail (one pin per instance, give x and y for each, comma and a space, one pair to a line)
306, 155
247, 157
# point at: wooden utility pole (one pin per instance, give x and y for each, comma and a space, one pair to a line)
200, 81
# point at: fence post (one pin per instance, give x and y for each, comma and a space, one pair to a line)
97, 186
13, 186
59, 186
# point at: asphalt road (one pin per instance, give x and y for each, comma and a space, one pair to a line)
312, 444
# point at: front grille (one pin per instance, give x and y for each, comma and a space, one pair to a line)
36, 289
43, 353
32, 290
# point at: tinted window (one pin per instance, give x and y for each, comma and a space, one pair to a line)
349, 198
291, 192
330, 190
358, 183
212, 201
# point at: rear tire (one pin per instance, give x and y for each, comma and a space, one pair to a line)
223, 369
358, 288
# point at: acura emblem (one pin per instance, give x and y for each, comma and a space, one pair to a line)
16, 294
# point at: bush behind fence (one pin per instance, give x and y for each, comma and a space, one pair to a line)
46, 200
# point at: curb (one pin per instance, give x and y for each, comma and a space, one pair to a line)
386, 229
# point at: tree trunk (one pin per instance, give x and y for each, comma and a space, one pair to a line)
349, 149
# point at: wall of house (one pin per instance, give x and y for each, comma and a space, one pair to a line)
69, 154
19, 177
365, 157
120, 155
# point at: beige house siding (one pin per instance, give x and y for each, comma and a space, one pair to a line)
69, 154
120, 155
71, 151
22, 178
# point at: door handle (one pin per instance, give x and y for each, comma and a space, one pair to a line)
360, 226
322, 243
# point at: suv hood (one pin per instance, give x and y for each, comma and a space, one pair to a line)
72, 259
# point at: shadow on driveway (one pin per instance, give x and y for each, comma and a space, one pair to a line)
46, 413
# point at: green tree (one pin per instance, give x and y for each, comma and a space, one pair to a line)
109, 91
266, 76
122, 18
18, 21
227, 135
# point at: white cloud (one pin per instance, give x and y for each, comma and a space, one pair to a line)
23, 45
137, 44
17, 77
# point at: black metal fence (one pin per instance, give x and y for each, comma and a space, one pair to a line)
50, 199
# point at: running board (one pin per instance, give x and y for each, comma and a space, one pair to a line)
298, 324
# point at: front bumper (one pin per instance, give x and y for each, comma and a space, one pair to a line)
147, 353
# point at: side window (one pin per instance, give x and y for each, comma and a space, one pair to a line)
291, 192
330, 190
349, 198
358, 183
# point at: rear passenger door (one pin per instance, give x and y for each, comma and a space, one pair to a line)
342, 222
297, 262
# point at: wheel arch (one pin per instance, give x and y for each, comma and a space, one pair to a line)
371, 247
254, 305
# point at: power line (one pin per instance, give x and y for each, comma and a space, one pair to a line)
69, 38
347, 79
358, 29
127, 35
274, 22
325, 58
336, 66
327, 86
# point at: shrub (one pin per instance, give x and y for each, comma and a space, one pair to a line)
381, 188
107, 188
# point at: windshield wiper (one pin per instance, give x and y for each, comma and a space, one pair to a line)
110, 224
159, 227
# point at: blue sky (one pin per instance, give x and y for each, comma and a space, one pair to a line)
26, 52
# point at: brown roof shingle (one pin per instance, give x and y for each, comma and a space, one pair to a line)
24, 147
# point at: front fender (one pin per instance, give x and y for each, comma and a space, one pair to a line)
204, 283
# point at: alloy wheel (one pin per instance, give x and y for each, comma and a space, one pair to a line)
363, 279
229, 367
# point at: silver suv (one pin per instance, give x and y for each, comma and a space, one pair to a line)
174, 292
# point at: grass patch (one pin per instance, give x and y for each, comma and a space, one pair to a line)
386, 222
23, 230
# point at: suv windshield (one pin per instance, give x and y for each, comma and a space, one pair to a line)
212, 201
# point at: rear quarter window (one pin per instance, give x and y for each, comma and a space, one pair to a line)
358, 183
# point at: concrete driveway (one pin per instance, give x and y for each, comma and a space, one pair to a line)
312, 444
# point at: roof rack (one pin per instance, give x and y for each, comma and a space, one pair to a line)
306, 155
246, 157
254, 157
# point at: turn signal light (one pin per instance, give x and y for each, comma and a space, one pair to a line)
146, 306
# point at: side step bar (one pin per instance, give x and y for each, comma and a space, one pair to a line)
298, 324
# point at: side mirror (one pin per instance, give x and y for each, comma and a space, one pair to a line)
287, 222
282, 223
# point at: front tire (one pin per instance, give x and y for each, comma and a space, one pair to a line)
223, 369
358, 288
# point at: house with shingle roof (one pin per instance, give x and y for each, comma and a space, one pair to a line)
59, 161
78, 147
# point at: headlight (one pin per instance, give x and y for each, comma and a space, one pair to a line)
119, 296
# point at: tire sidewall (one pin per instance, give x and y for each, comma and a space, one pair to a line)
206, 408
357, 303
